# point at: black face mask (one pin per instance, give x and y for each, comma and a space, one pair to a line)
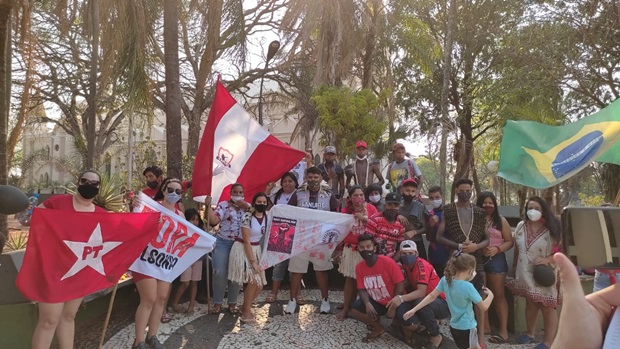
408, 198
464, 196
260, 208
390, 214
87, 191
314, 185
367, 255
152, 185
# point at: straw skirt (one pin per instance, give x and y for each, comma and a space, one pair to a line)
239, 268
350, 259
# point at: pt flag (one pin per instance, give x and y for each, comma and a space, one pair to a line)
295, 231
73, 254
236, 149
177, 245
540, 156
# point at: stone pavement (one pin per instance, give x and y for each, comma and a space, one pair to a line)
306, 329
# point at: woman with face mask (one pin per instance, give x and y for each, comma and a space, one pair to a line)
154, 293
495, 264
349, 258
536, 237
229, 215
243, 265
373, 194
58, 317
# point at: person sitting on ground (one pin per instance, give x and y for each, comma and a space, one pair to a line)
460, 294
193, 274
379, 280
421, 280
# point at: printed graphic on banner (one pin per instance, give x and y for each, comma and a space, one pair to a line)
281, 235
310, 234
178, 244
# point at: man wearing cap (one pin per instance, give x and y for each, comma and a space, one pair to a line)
402, 168
420, 280
415, 212
363, 170
386, 228
332, 172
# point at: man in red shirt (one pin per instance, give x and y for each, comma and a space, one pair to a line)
385, 227
421, 281
379, 280
154, 176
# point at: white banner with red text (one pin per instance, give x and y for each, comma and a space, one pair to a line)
310, 234
177, 246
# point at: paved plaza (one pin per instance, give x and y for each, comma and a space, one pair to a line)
307, 329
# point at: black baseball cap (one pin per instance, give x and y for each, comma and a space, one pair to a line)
393, 198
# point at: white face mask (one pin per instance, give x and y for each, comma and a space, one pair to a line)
534, 215
437, 203
374, 198
236, 198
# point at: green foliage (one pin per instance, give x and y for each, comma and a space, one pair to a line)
346, 116
594, 200
16, 241
430, 171
110, 195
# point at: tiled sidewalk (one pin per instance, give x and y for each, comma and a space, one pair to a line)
305, 329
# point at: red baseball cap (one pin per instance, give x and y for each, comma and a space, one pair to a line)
397, 146
410, 181
361, 144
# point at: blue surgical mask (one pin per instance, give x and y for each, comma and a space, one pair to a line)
173, 198
408, 260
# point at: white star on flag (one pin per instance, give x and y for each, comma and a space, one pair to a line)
89, 253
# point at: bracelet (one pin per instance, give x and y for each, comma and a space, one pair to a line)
401, 299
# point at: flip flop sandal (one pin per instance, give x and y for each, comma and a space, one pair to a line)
166, 318
271, 298
216, 309
525, 339
232, 309
497, 339
300, 300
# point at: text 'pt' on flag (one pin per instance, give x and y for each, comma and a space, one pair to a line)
73, 254
236, 149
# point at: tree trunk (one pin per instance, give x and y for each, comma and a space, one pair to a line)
474, 175
5, 97
445, 91
16, 132
374, 11
522, 194
611, 181
467, 142
174, 150
91, 112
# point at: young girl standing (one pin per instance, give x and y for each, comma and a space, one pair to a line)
460, 294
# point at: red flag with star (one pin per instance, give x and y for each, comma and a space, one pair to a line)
73, 254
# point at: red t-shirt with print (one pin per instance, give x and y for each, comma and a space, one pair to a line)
387, 235
64, 202
379, 280
359, 228
423, 273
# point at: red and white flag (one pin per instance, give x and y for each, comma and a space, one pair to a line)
73, 254
236, 149
175, 248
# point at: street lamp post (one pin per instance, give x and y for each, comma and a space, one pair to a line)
273, 49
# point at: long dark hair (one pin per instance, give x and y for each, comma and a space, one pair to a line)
164, 185
497, 219
549, 219
352, 190
290, 175
190, 213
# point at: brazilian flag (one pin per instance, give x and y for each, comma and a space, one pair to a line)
540, 156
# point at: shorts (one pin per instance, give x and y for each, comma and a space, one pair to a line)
496, 264
193, 273
359, 305
465, 339
139, 277
350, 259
300, 265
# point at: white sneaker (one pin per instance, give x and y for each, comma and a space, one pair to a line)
290, 307
325, 307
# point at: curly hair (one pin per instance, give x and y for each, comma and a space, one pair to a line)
458, 263
552, 223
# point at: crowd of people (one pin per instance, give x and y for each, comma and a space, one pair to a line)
388, 269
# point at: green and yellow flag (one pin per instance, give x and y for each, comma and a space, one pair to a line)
540, 156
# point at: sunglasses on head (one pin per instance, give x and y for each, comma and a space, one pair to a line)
172, 190
89, 182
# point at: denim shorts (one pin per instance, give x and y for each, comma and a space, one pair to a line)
496, 264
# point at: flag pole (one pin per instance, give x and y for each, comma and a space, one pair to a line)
208, 288
107, 316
